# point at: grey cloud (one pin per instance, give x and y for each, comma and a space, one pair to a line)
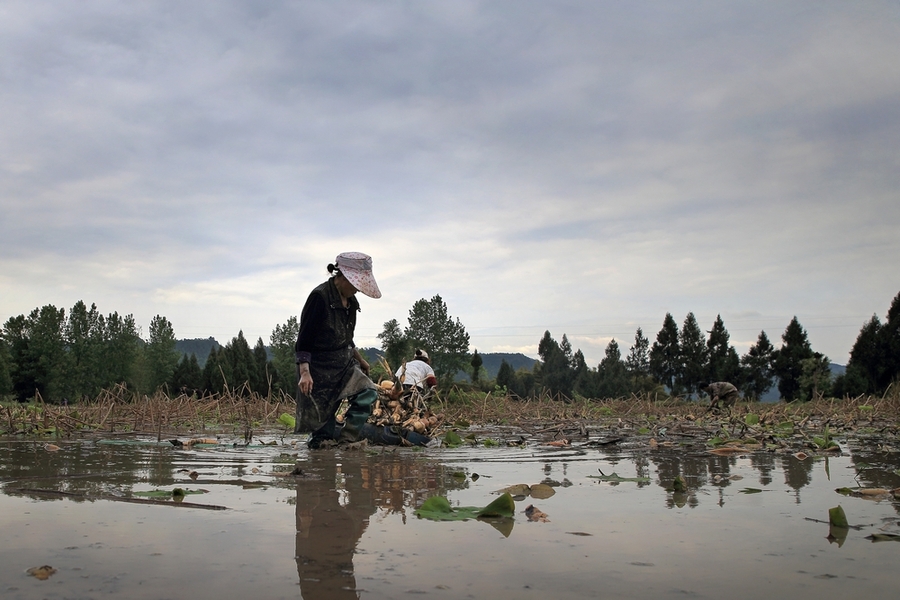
731, 145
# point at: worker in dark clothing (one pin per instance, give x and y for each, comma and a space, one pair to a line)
331, 367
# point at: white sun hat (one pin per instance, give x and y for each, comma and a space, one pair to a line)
357, 268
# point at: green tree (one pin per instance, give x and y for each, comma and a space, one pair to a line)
580, 371
284, 359
693, 359
757, 375
394, 344
723, 361
84, 338
217, 376
555, 374
239, 357
121, 350
815, 377
566, 348
587, 380
506, 376
476, 363
665, 355
613, 374
446, 341
38, 357
890, 347
22, 364
638, 361
5, 379
161, 353
864, 369
188, 377
788, 360
265, 369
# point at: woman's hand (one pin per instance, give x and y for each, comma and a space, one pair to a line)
306, 380
362, 362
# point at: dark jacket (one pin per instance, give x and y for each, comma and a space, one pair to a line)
325, 341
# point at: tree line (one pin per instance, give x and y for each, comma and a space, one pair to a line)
65, 357
680, 360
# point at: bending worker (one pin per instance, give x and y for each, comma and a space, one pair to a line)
721, 390
331, 367
417, 372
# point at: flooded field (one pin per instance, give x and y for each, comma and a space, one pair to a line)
592, 520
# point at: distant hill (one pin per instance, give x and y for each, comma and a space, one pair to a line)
199, 347
490, 361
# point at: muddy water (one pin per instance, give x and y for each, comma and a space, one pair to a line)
345, 525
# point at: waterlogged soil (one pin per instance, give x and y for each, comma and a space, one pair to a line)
595, 516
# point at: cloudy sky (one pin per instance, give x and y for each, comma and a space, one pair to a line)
582, 167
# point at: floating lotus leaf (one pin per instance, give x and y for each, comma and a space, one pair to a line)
837, 518
437, 508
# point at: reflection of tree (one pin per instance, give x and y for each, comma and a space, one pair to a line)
764, 462
694, 470
88, 469
797, 473
335, 499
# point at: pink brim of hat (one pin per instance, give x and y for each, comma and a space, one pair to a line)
364, 281
357, 268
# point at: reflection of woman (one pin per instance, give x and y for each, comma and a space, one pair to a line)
329, 530
331, 367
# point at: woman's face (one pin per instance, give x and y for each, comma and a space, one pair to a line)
346, 288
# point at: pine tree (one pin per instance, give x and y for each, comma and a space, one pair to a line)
665, 355
889, 373
121, 350
84, 339
864, 369
161, 353
505, 376
757, 368
47, 348
638, 361
722, 359
188, 377
693, 363
282, 340
555, 372
5, 379
244, 373
788, 360
476, 363
261, 383
613, 374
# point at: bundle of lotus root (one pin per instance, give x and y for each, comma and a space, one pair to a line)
405, 407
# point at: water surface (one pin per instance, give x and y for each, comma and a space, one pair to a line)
345, 526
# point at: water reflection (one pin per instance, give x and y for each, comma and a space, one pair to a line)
336, 497
356, 533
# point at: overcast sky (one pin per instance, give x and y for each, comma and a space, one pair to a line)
582, 167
